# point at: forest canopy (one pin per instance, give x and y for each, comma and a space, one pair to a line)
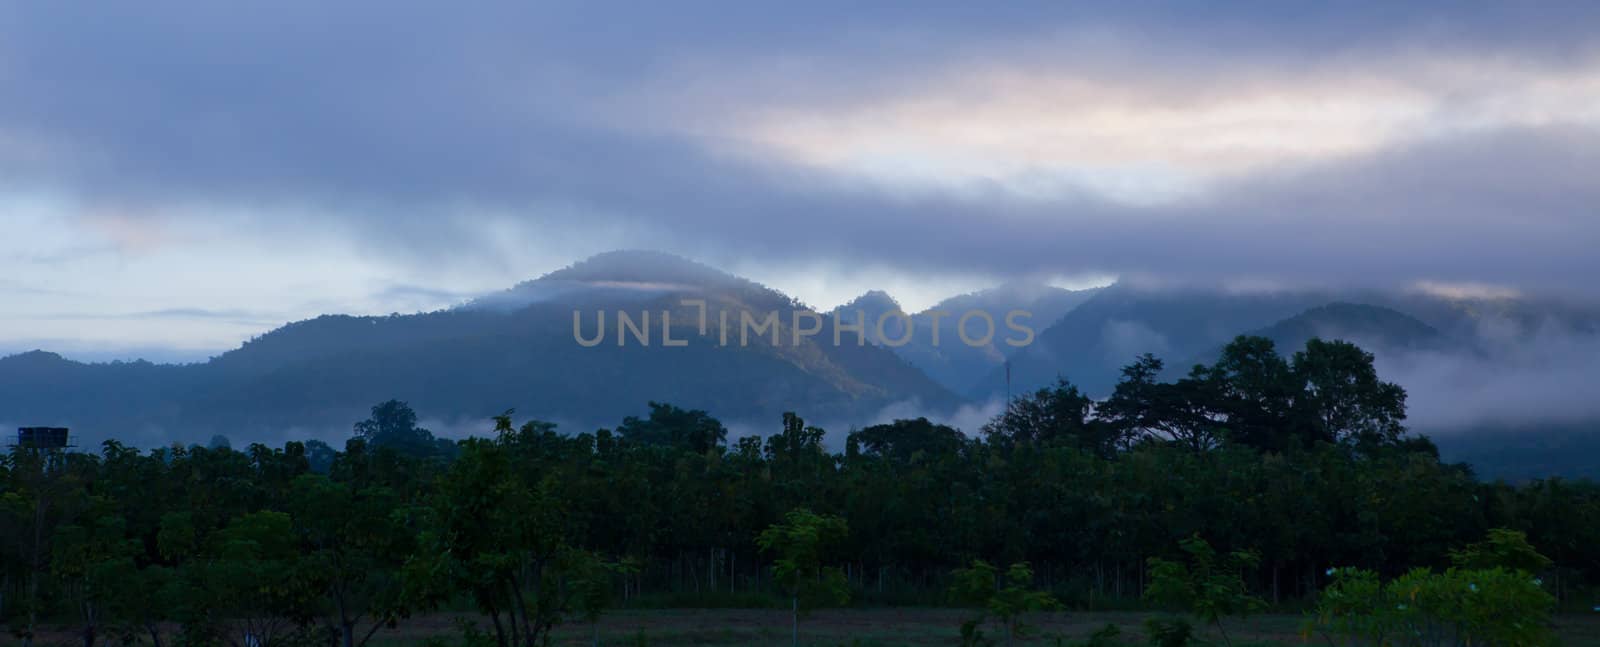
1302, 461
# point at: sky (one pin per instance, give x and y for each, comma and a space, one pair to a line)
176, 177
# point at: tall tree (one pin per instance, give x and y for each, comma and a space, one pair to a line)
1143, 407
353, 544
668, 425
802, 543
393, 425
1255, 393
1343, 399
1055, 415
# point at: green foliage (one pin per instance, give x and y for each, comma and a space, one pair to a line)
590, 579
1169, 632
1354, 605
1058, 415
1208, 585
393, 427
497, 533
1003, 599
1143, 407
353, 543
1495, 606
907, 441
534, 528
1342, 399
670, 426
801, 543
1503, 548
246, 582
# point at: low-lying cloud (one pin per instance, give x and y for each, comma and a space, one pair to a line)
1546, 377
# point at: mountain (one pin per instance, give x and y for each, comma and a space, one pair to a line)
1365, 325
1376, 329
534, 347
630, 276
957, 365
1046, 303
868, 310
1522, 452
517, 349
1091, 343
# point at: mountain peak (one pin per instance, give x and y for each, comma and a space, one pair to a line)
873, 302
641, 266
34, 357
640, 273
1374, 326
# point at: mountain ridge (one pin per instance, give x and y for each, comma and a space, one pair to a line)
474, 362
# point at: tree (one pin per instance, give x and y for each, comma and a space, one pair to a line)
393, 425
1141, 407
796, 444
92, 560
146, 597
1503, 548
498, 534
670, 426
801, 543
41, 496
1342, 397
251, 583
901, 440
799, 465
591, 585
320, 456
220, 543
353, 544
981, 585
1254, 390
1056, 415
1209, 585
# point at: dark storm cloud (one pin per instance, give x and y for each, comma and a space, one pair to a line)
392, 122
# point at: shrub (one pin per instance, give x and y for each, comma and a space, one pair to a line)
980, 585
1503, 548
1169, 632
1495, 606
1209, 585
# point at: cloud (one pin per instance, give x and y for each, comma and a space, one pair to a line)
318, 158
1464, 290
1519, 378
1155, 138
1125, 339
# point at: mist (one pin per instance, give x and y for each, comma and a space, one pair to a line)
1511, 378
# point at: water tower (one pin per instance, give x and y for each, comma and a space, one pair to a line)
46, 438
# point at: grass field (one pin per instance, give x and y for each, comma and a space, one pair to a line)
895, 627
888, 627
